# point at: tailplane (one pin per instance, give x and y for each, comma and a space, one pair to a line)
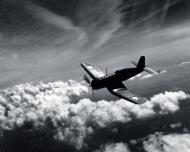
141, 65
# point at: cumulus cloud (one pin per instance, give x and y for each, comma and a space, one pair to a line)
59, 107
167, 143
116, 147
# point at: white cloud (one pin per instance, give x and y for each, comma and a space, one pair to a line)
176, 125
167, 143
168, 102
116, 147
54, 104
184, 63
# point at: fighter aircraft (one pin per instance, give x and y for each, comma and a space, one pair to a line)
113, 81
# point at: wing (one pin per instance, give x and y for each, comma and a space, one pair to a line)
92, 70
121, 91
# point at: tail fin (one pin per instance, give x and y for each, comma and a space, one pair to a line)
141, 63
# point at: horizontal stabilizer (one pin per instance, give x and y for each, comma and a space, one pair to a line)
151, 71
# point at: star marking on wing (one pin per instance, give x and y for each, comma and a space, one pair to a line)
135, 98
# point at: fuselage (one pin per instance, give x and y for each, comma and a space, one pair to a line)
117, 76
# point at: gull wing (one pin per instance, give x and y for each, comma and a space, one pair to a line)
92, 70
121, 91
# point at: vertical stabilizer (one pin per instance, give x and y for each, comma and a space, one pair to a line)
141, 63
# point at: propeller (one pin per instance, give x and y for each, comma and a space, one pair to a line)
87, 80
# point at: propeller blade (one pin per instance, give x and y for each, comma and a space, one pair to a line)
85, 78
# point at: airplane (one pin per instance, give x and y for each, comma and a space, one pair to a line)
113, 81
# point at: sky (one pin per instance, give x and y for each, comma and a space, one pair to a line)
40, 40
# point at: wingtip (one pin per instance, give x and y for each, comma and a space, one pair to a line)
82, 63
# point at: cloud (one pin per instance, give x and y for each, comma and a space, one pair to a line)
167, 143
59, 106
116, 147
175, 125
59, 21
184, 63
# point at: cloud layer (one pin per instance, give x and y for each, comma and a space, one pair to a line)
58, 107
167, 143
116, 147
